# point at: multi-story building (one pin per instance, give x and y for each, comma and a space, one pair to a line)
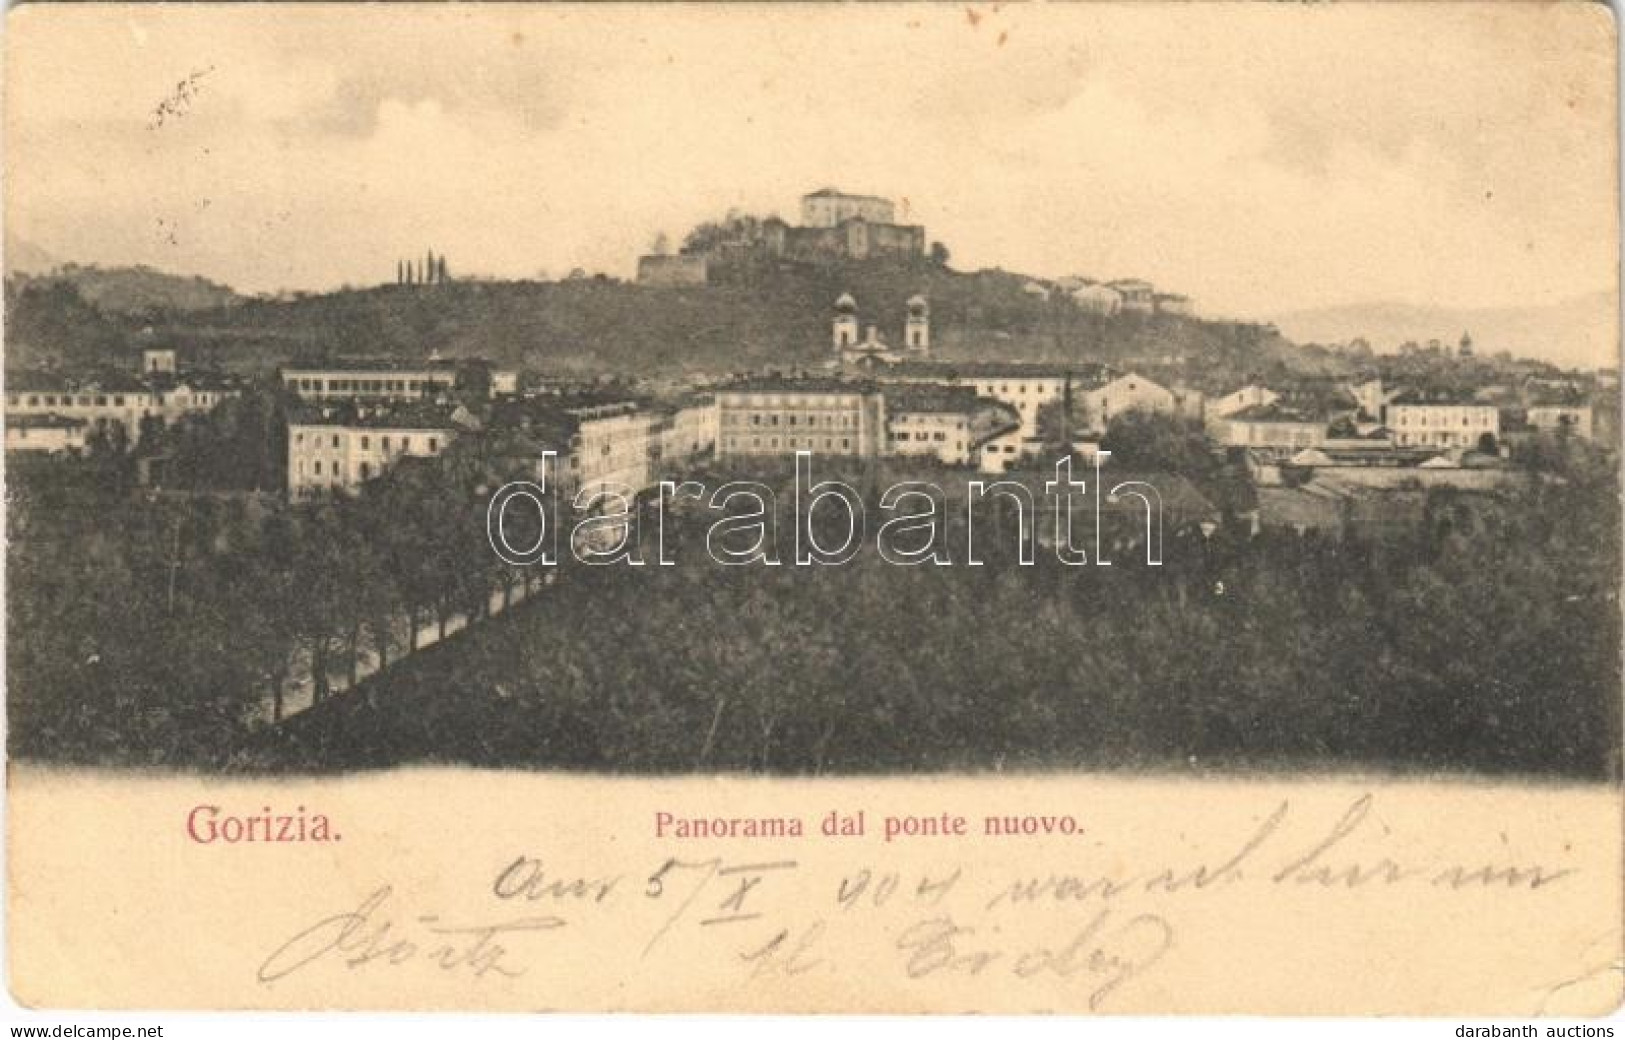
340, 447
606, 442
783, 415
1025, 387
378, 380
830, 207
951, 423
48, 433
1273, 425
1098, 405
1221, 408
105, 401
1421, 419
687, 431
1573, 419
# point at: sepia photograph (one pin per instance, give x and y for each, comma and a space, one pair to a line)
1098, 456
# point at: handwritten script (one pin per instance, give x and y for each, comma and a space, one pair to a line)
1100, 926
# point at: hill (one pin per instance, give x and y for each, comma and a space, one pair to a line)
140, 291
771, 315
24, 257
1581, 332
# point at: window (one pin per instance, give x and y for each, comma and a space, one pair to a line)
318, 467
335, 440
366, 470
365, 442
386, 444
434, 443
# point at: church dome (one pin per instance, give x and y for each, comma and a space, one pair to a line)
917, 305
846, 304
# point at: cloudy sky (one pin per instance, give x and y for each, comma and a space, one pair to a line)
1262, 158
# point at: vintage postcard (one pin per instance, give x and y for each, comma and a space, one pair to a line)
813, 508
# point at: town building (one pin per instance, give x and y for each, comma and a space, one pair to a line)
114, 400
1098, 405
951, 423
1571, 419
779, 415
831, 207
1443, 420
1138, 297
687, 431
379, 380
338, 447
1025, 387
46, 433
1221, 408
1272, 425
155, 360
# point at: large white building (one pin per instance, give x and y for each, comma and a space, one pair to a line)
338, 448
830, 207
953, 424
1441, 421
783, 415
1025, 387
48, 434
1099, 405
107, 400
380, 380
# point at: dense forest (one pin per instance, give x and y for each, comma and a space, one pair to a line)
1482, 637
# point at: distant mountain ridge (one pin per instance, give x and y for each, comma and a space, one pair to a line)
1582, 332
130, 290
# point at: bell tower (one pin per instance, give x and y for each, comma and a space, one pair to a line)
917, 326
844, 330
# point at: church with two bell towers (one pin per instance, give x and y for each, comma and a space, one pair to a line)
871, 348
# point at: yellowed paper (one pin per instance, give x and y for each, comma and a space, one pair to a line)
1316, 712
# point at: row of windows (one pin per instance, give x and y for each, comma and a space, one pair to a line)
334, 468
921, 435
788, 400
790, 443
1434, 419
100, 400
385, 443
364, 386
1021, 388
843, 420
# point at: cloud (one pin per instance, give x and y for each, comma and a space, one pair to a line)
1259, 157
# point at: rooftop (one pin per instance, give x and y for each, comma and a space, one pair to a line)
942, 400
48, 421
411, 415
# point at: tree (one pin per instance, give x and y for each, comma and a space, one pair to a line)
939, 254
1140, 439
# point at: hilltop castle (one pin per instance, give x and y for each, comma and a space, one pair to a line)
837, 225
834, 226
